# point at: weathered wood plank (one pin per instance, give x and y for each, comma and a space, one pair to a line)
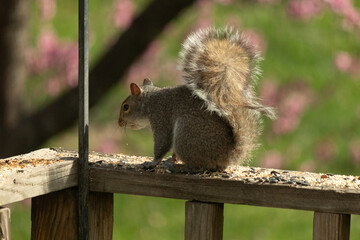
101, 215
42, 180
204, 221
4, 223
52, 170
205, 189
331, 226
35, 174
54, 215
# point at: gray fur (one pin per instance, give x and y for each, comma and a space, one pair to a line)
212, 120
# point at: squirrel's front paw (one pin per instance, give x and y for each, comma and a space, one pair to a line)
149, 165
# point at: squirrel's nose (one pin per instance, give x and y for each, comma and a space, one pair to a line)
121, 122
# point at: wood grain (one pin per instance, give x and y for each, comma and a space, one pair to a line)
4, 223
54, 215
190, 187
101, 215
41, 180
118, 174
331, 226
204, 221
32, 181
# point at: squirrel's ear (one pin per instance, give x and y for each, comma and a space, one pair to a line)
135, 90
147, 82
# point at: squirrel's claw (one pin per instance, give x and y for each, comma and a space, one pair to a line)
149, 165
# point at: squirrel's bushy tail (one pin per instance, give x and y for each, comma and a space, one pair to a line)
221, 67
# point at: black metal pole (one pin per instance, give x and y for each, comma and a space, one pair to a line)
83, 166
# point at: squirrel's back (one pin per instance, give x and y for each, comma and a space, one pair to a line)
220, 66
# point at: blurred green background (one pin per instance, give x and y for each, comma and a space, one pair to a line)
310, 73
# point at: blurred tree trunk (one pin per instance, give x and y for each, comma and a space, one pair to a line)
14, 18
31, 131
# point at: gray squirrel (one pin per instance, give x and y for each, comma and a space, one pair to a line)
211, 121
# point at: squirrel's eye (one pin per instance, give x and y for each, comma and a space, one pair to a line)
126, 107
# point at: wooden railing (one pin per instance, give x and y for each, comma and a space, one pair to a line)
49, 177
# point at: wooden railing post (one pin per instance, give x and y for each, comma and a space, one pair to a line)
331, 226
4, 223
54, 215
101, 215
204, 221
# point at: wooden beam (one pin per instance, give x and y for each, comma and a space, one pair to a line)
331, 226
54, 216
221, 190
4, 223
204, 221
50, 170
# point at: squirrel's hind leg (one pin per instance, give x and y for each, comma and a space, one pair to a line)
203, 145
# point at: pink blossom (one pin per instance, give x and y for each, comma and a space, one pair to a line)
272, 159
346, 63
346, 9
295, 103
343, 61
47, 9
123, 13
339, 6
204, 16
71, 65
233, 21
290, 109
352, 16
146, 66
53, 86
256, 39
325, 151
26, 202
269, 92
307, 167
54, 59
355, 68
290, 100
202, 23
304, 9
225, 2
49, 47
32, 62
354, 148
170, 72
285, 124
108, 146
202, 3
152, 50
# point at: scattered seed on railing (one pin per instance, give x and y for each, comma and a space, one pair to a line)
273, 180
249, 175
